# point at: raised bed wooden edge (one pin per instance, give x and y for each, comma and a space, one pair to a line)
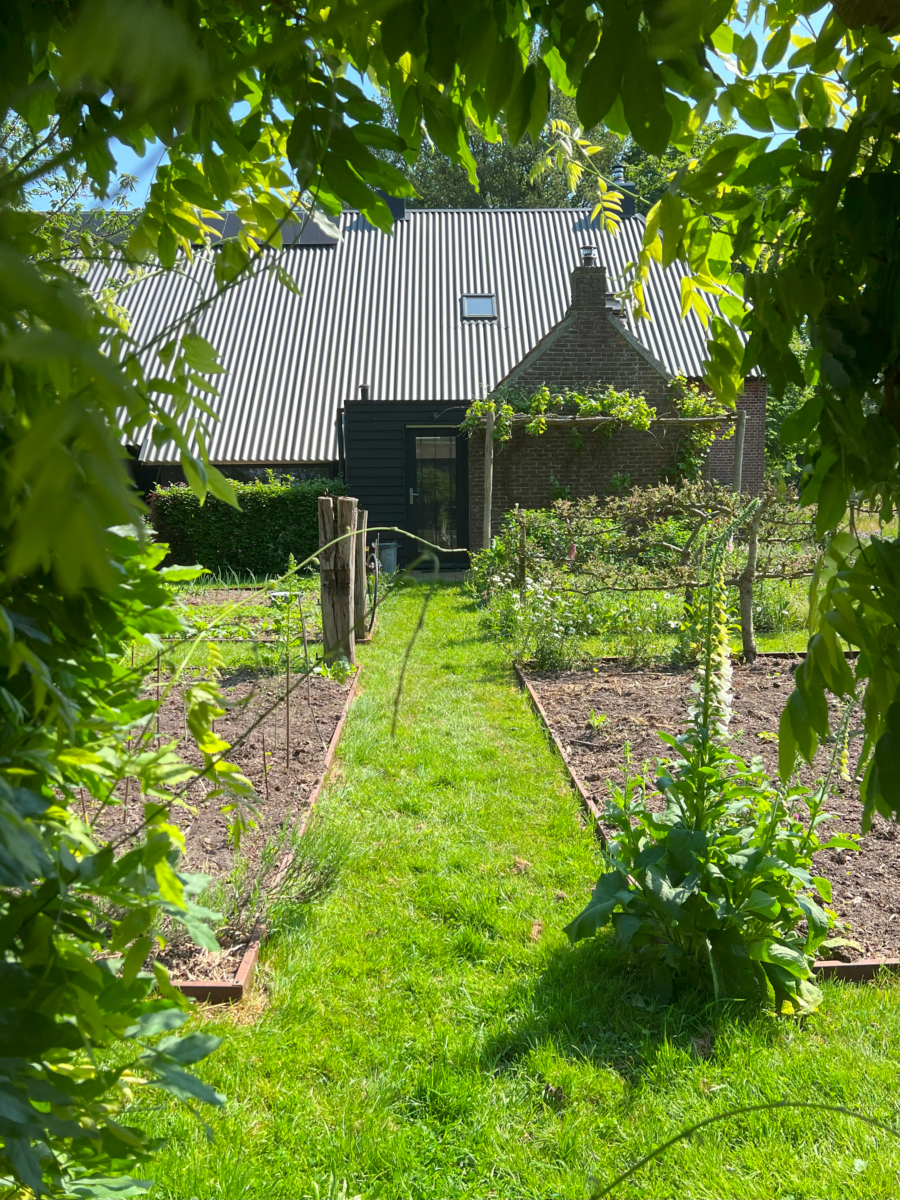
228, 991
849, 972
225, 991
582, 791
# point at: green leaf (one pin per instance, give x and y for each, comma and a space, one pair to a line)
506, 70
170, 886
782, 108
798, 426
762, 902
818, 920
887, 761
99, 1188
770, 951
134, 959
643, 98
608, 893
189, 1049
602, 77
751, 107
833, 497
132, 925
823, 887
166, 246
518, 107
746, 50
195, 192
787, 746
399, 27
162, 1020
674, 214
626, 926
200, 354
171, 1078
776, 47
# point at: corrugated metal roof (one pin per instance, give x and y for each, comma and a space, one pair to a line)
385, 310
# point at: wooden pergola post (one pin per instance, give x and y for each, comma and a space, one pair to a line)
336, 568
738, 469
488, 480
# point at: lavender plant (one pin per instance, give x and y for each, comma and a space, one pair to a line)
716, 890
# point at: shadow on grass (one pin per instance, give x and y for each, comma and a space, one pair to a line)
594, 1003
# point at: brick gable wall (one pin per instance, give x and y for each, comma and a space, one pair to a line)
591, 348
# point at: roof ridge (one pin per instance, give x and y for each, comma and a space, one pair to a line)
543, 208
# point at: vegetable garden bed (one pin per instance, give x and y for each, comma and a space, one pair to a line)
630, 706
287, 784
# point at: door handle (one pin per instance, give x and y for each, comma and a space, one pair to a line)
412, 495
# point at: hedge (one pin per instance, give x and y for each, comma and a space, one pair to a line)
277, 518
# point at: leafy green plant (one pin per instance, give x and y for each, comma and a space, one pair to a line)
559, 491
690, 400
507, 402
539, 625
340, 670
714, 889
79, 1013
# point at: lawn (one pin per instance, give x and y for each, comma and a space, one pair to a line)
427, 1031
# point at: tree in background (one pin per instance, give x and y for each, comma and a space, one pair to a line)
504, 171
508, 176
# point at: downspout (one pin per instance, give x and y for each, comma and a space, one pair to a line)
342, 462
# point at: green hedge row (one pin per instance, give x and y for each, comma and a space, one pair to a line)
277, 518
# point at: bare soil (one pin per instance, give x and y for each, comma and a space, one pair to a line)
248, 615
283, 782
638, 704
224, 596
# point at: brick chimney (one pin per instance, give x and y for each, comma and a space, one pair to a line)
588, 291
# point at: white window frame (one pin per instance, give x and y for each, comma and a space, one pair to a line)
467, 316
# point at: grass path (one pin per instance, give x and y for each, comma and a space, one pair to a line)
428, 1031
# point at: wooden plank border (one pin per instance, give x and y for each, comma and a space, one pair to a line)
229, 991
225, 991
860, 971
855, 972
579, 787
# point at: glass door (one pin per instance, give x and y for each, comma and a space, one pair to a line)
436, 487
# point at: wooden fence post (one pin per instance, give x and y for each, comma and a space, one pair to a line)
360, 595
336, 565
488, 480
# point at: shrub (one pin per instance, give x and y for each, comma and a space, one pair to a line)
79, 1014
277, 518
716, 890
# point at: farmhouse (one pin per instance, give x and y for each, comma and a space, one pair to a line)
367, 365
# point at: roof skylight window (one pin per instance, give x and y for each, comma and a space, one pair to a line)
479, 307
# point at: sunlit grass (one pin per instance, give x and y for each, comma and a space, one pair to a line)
427, 1031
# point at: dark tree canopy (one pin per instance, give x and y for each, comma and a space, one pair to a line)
504, 171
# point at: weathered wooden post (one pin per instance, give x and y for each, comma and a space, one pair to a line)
488, 480
336, 565
745, 590
739, 437
360, 595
